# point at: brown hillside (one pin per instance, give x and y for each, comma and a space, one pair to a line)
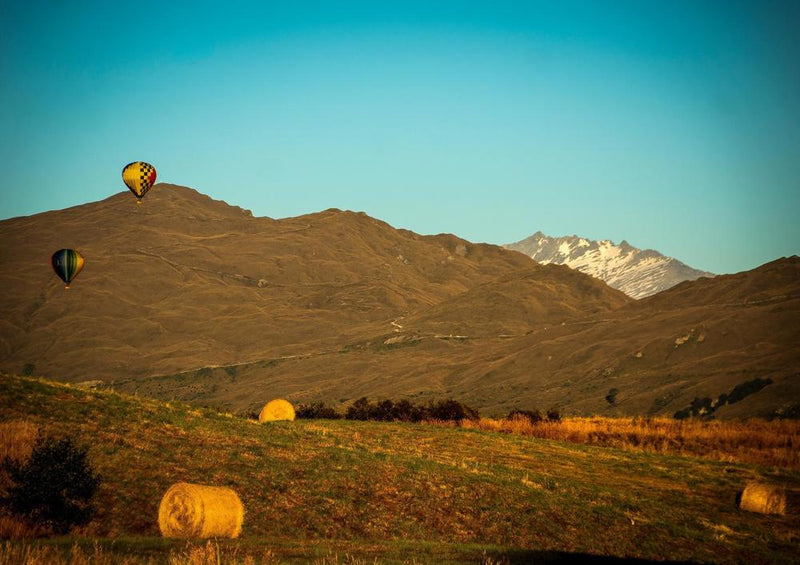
191, 298
184, 281
774, 281
658, 361
515, 304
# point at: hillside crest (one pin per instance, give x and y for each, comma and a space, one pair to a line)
187, 297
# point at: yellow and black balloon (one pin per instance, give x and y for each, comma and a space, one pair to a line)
67, 263
139, 177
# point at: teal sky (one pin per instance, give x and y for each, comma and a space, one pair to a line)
674, 125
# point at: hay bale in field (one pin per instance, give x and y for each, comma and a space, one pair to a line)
275, 410
763, 498
200, 511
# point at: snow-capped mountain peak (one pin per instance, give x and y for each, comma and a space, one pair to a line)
636, 272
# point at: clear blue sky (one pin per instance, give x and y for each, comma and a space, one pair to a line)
674, 125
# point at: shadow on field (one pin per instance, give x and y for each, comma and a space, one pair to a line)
563, 558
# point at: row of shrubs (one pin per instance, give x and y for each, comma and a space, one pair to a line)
705, 407
406, 411
390, 411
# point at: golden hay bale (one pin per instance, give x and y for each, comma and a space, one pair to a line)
278, 409
763, 498
200, 511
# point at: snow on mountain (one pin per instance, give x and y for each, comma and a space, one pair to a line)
636, 272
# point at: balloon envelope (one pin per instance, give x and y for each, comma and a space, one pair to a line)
139, 177
67, 263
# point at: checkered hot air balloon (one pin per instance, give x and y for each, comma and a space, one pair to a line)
67, 263
139, 178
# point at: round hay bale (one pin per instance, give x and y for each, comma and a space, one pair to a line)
763, 498
200, 511
276, 410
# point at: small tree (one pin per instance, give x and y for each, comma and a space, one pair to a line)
361, 409
383, 412
451, 411
54, 487
317, 410
404, 411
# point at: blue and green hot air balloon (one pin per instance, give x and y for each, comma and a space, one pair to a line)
67, 263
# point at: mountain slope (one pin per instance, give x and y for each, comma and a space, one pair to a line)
658, 354
186, 297
700, 339
183, 281
636, 272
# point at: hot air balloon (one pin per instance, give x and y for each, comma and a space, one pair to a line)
139, 177
67, 263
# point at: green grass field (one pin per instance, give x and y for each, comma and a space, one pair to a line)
351, 492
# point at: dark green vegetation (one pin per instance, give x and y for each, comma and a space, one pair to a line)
386, 410
403, 491
54, 487
706, 407
389, 411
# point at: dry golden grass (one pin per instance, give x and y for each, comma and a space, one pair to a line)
17, 439
207, 554
29, 554
16, 442
774, 443
12, 527
200, 511
277, 410
210, 554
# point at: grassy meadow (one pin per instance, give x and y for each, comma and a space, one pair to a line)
338, 491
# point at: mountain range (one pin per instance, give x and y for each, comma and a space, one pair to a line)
636, 272
190, 298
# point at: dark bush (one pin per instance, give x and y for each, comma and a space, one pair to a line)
698, 407
701, 406
383, 412
405, 411
682, 414
553, 415
451, 411
54, 487
745, 389
361, 409
533, 416
790, 412
705, 407
611, 397
317, 411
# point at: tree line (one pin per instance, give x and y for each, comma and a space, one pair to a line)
405, 411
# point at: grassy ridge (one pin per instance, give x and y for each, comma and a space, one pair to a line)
765, 443
403, 490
